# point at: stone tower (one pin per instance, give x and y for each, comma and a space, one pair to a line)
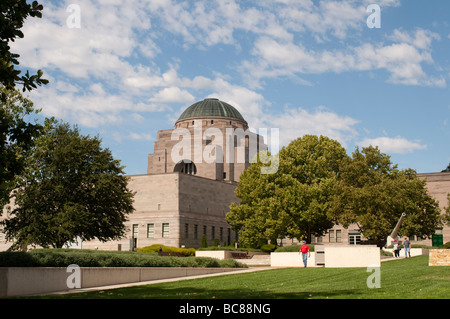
210, 139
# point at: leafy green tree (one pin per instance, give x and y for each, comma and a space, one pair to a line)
373, 193
71, 188
12, 16
294, 201
17, 132
447, 169
447, 210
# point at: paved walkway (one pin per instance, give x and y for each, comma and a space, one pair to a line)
387, 258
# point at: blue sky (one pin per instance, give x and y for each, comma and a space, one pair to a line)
125, 69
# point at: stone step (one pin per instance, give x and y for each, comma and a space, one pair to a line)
261, 257
256, 260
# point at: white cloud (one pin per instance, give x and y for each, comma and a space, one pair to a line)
396, 145
211, 22
404, 61
172, 94
249, 103
141, 136
94, 106
296, 122
111, 33
99, 76
131, 136
421, 39
98, 48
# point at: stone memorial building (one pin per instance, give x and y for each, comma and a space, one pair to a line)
190, 181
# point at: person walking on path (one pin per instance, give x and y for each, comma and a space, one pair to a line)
407, 246
304, 250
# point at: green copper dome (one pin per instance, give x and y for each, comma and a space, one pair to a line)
211, 107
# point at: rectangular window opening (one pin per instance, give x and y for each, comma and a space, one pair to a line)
165, 230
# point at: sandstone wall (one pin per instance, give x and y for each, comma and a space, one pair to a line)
439, 257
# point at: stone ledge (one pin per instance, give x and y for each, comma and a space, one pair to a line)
21, 281
439, 257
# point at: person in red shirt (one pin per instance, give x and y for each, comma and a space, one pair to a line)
304, 250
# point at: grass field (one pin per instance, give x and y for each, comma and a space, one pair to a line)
400, 279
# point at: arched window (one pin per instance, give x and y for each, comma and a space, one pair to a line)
186, 167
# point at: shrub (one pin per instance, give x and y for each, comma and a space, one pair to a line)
268, 247
445, 246
293, 248
84, 258
16, 259
229, 248
231, 263
156, 247
386, 253
207, 262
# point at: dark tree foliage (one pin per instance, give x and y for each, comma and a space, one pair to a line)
12, 16
318, 185
17, 132
71, 188
373, 193
292, 202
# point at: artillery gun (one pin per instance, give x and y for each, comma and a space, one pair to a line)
394, 234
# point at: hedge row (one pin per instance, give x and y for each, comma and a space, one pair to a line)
293, 248
60, 258
264, 248
167, 249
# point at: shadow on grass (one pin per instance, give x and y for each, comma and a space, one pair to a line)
185, 291
147, 292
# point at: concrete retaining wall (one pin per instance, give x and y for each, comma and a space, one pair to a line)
439, 257
225, 254
290, 259
352, 256
218, 254
20, 281
333, 256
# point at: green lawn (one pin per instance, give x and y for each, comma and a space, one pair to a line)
400, 279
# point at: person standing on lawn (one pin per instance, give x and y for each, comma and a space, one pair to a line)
304, 250
396, 249
407, 246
